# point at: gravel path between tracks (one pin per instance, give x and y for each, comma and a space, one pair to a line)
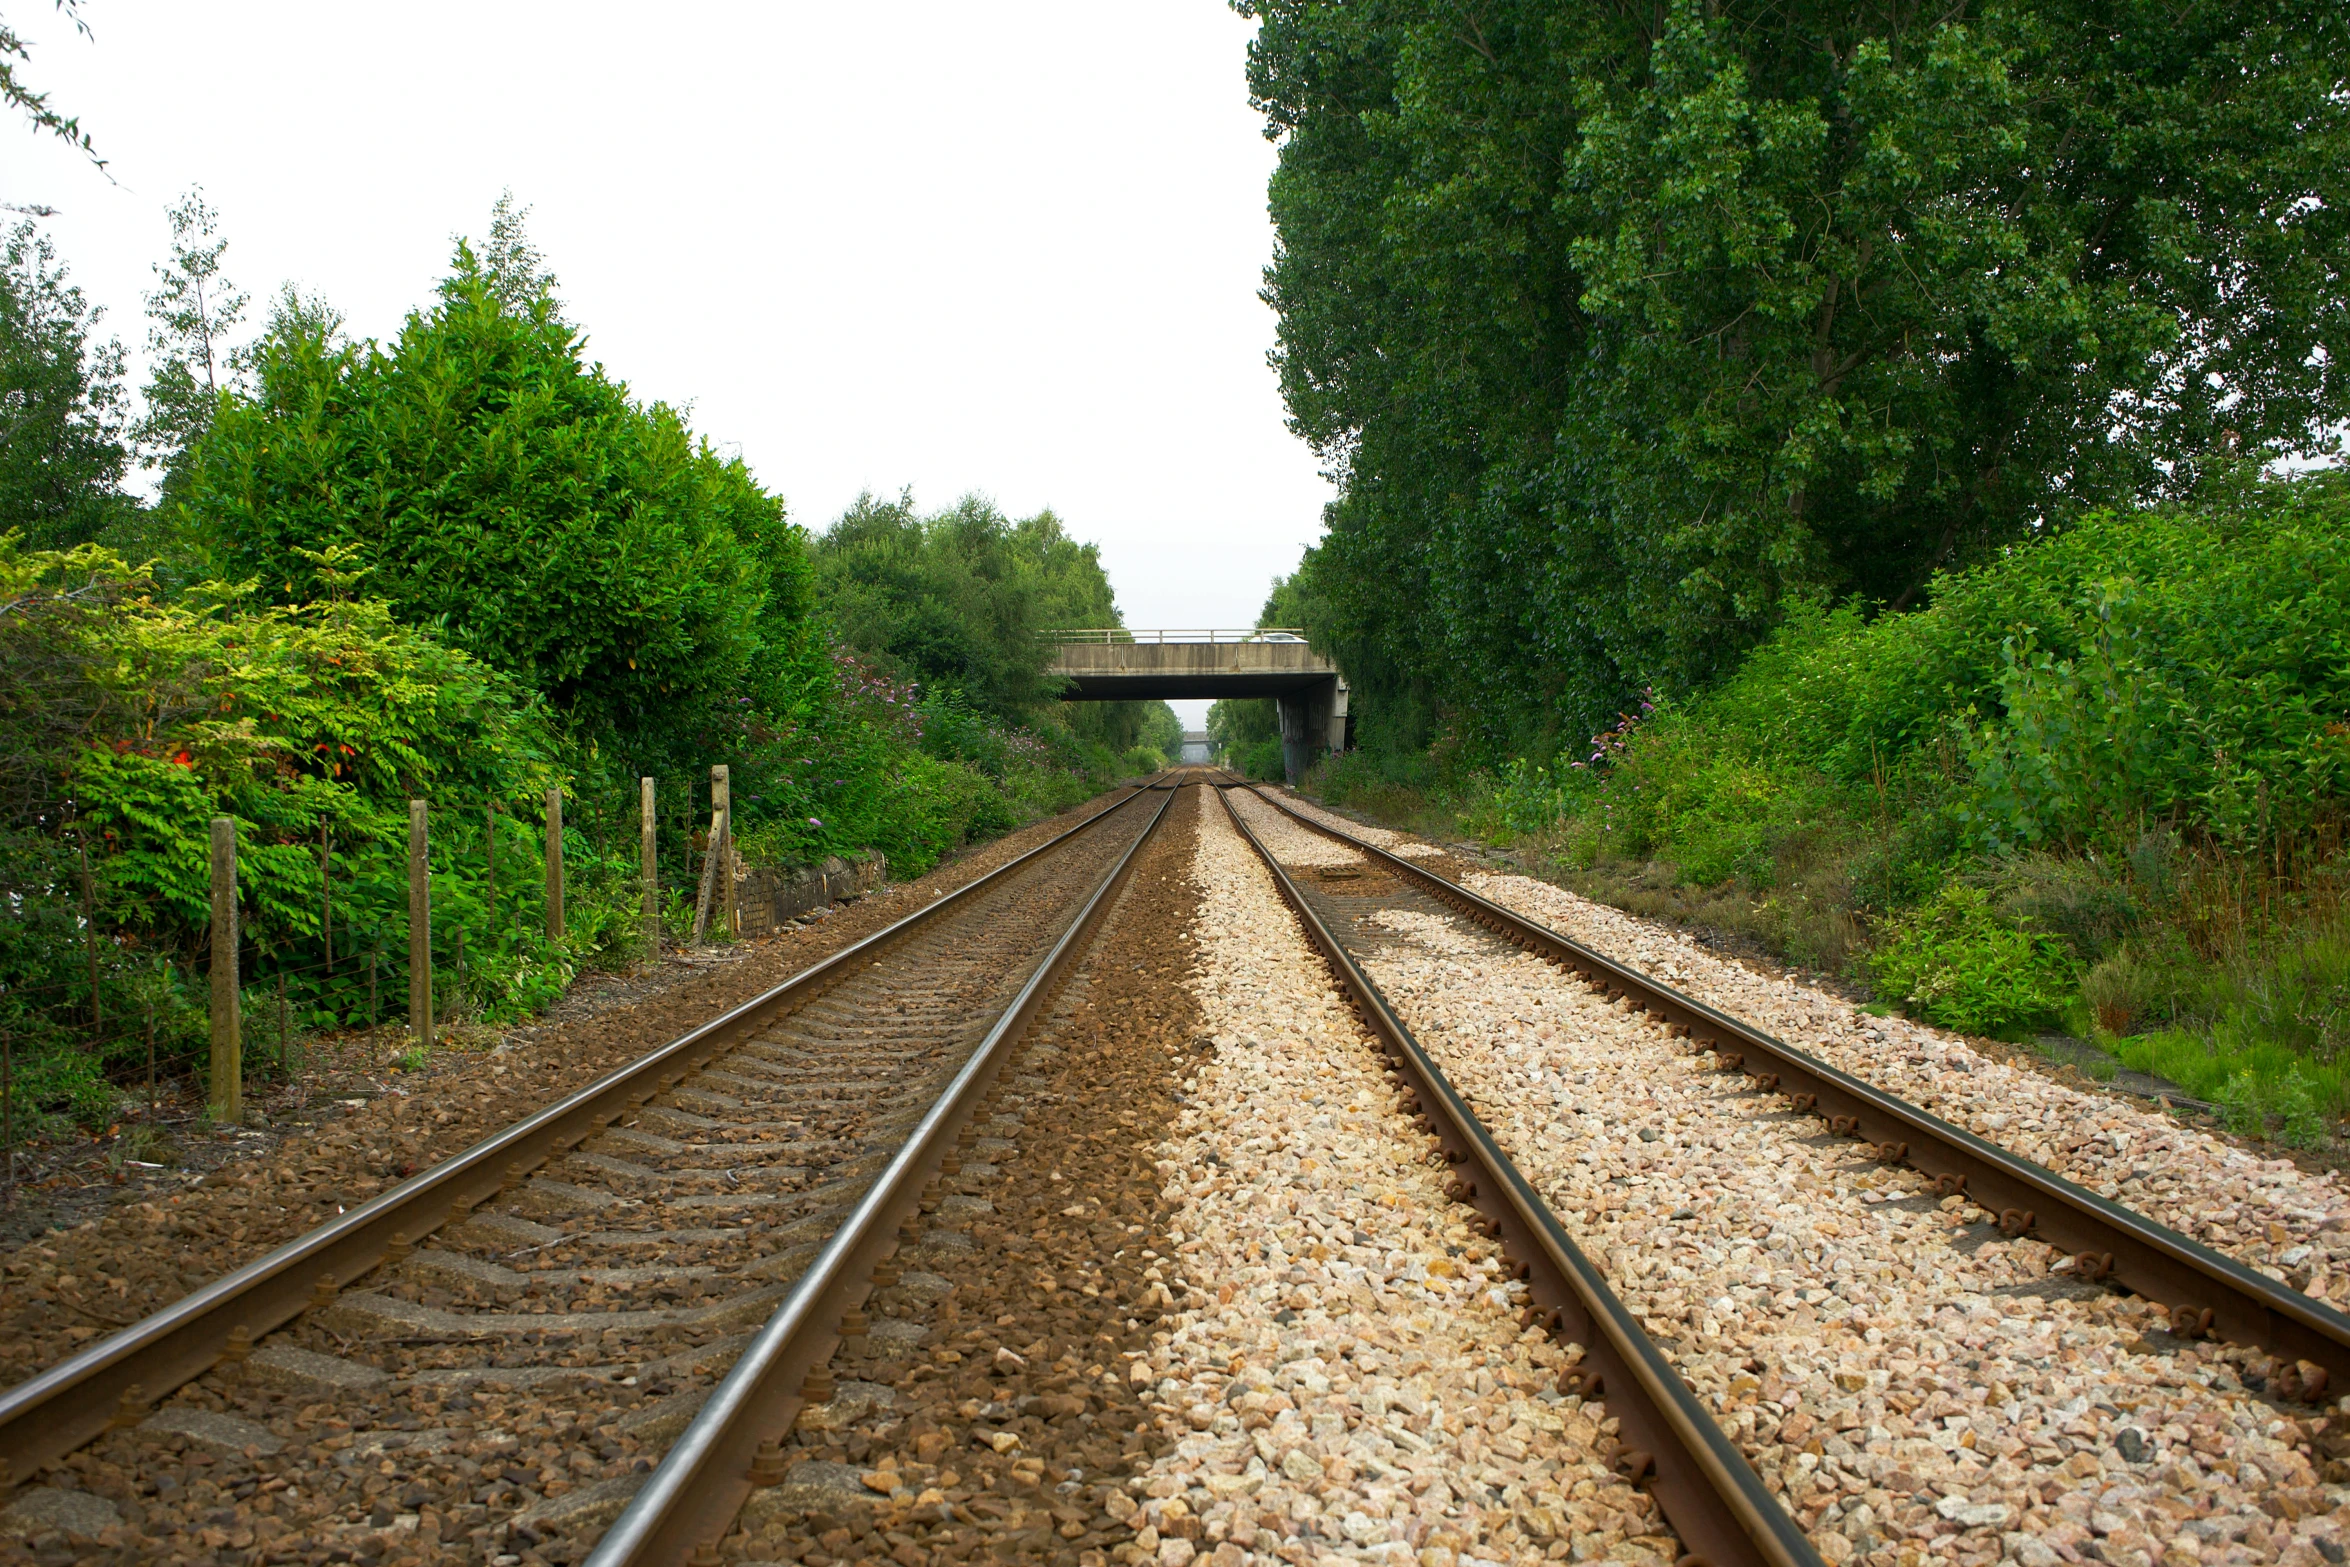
1358, 1386
1895, 1374
990, 1412
2290, 1224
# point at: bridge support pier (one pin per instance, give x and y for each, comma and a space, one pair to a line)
1313, 725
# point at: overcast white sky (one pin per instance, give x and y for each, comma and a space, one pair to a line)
1011, 248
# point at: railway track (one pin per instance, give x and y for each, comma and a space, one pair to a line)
1523, 1256
489, 1357
1819, 1259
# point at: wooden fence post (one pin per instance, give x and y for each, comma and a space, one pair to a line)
555, 864
722, 807
419, 927
651, 867
227, 1088
90, 938
8, 1115
326, 895
490, 841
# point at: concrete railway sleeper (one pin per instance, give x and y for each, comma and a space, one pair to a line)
518, 1330
1911, 1368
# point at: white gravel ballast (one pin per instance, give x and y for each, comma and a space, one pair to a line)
1901, 1379
1347, 1377
2290, 1224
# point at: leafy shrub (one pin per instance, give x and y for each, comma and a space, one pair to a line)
1956, 962
1264, 760
1907, 865
496, 486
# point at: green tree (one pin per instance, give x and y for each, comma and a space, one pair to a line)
960, 600
63, 424
504, 491
519, 275
193, 310
1621, 326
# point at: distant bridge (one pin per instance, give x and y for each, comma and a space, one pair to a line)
1114, 664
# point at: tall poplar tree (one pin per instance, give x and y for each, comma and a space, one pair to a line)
63, 413
1622, 324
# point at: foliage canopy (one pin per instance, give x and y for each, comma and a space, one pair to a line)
64, 445
496, 487
1622, 325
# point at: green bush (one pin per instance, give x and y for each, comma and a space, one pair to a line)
1264, 760
494, 485
1956, 962
135, 719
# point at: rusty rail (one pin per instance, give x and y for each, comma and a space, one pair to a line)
2206, 1293
1715, 1502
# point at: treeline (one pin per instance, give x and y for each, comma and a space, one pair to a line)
1627, 327
1865, 428
462, 565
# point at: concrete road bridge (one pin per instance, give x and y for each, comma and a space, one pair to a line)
1119, 665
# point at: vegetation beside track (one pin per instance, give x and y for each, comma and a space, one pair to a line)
2098, 784
1846, 416
463, 565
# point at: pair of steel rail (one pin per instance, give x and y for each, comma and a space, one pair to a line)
693, 1496
1712, 1497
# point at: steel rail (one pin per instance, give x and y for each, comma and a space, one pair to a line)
56, 1411
732, 1445
2207, 1294
1719, 1507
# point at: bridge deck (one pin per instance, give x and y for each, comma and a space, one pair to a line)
1206, 664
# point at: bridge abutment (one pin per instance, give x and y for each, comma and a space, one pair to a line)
1313, 725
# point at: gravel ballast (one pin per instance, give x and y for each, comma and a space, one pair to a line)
1910, 1383
1347, 1377
990, 1413
2290, 1224
62, 1291
499, 1392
